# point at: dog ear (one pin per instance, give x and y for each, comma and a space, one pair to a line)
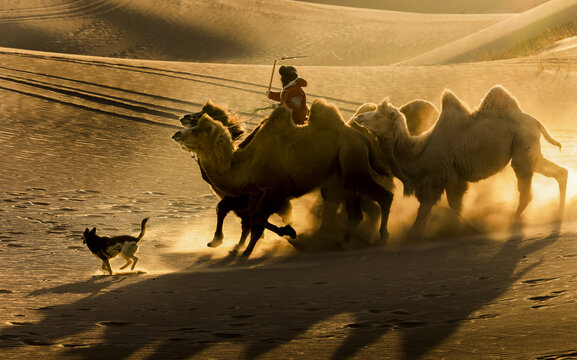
93, 231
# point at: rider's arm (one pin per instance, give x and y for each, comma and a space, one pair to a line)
273, 95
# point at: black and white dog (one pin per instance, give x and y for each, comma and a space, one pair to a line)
105, 248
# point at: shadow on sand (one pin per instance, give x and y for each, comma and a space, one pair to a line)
335, 305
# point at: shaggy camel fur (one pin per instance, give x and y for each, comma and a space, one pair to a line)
464, 147
239, 204
285, 161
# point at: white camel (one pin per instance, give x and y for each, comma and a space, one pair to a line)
463, 147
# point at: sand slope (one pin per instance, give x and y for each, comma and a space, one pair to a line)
440, 7
203, 30
504, 35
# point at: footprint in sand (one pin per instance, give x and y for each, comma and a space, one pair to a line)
228, 335
242, 316
370, 324
552, 295
15, 245
113, 323
37, 342
410, 324
537, 281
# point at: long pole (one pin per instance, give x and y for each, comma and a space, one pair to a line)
280, 59
272, 74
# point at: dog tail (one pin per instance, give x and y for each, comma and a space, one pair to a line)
142, 228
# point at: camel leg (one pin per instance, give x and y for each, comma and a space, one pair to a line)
224, 206
422, 216
285, 212
256, 232
331, 193
221, 213
245, 226
550, 169
524, 161
524, 185
267, 205
374, 191
455, 192
354, 213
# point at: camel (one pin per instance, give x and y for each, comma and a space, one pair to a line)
239, 204
465, 146
285, 161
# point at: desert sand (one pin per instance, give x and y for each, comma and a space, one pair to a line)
90, 94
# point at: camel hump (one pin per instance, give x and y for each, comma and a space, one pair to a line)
450, 101
497, 99
280, 117
325, 114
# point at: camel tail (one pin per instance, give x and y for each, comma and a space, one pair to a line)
142, 228
547, 135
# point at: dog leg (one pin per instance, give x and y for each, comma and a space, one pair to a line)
134, 261
128, 262
106, 266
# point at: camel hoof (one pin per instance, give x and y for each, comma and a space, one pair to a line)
381, 241
288, 230
214, 243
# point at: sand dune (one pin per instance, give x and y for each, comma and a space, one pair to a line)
85, 141
439, 7
505, 35
201, 31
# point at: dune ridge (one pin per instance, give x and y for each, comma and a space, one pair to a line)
504, 35
199, 31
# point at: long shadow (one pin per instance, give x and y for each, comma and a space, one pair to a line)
494, 275
91, 109
114, 88
264, 308
186, 75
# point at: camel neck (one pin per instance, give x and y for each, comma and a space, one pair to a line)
404, 147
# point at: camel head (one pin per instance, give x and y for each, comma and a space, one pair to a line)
212, 110
382, 120
218, 113
203, 137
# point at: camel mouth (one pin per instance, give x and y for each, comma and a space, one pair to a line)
177, 136
358, 120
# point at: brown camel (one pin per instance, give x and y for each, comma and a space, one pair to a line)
239, 204
285, 161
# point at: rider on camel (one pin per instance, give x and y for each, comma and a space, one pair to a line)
292, 94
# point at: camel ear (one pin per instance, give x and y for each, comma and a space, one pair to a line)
383, 106
207, 106
386, 109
